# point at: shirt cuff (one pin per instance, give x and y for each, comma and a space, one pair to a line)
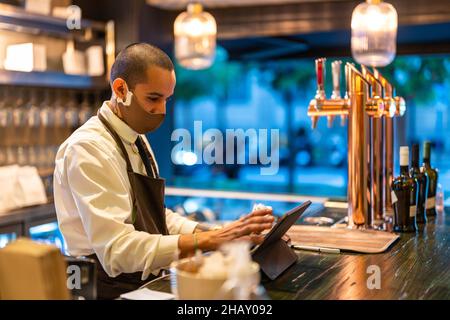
166, 253
188, 226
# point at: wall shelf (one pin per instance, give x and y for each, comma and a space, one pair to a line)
52, 79
17, 19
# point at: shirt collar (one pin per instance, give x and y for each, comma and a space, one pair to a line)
122, 129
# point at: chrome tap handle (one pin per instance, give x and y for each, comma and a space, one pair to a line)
347, 80
336, 73
336, 94
320, 74
330, 120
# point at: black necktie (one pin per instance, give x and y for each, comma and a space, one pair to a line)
147, 158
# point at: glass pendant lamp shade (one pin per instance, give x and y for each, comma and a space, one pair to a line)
374, 33
195, 38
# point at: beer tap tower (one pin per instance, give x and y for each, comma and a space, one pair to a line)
369, 105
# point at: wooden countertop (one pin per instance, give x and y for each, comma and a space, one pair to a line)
415, 267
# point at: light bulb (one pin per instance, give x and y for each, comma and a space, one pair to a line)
374, 33
195, 38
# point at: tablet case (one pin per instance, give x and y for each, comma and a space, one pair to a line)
274, 257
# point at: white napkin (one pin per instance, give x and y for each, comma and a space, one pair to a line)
21, 187
147, 294
260, 206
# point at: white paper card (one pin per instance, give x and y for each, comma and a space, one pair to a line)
394, 197
147, 294
412, 211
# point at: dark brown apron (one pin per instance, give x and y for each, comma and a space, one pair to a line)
148, 215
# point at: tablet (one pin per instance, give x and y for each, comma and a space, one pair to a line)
283, 224
273, 255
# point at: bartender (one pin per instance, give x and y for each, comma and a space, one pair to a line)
109, 197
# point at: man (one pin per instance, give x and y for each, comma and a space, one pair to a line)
109, 197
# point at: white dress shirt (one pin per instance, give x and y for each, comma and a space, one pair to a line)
93, 202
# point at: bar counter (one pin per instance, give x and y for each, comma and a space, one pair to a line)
415, 267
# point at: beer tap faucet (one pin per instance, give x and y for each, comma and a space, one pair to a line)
361, 103
397, 108
377, 203
320, 105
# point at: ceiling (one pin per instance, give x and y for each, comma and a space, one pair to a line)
271, 29
181, 4
430, 39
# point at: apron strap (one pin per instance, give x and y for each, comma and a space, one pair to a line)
117, 139
127, 160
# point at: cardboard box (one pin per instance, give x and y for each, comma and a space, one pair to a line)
74, 62
26, 57
38, 6
32, 271
95, 62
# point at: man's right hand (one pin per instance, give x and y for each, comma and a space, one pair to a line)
248, 227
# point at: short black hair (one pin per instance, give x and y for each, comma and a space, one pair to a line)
132, 62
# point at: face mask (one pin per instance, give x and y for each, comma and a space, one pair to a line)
138, 118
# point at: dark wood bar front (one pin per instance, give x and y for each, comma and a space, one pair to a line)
415, 267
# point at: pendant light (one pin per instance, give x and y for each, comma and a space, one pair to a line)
374, 33
195, 38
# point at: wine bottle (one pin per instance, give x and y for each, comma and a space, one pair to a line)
404, 196
422, 179
432, 180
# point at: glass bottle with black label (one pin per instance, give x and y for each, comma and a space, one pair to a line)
422, 180
404, 196
432, 180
